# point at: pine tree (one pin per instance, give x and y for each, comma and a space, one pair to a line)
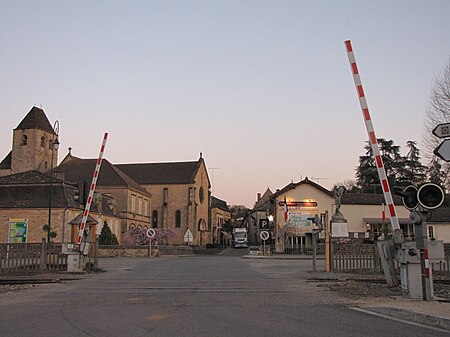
107, 237
412, 171
435, 173
367, 174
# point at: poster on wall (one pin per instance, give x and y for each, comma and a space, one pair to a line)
339, 230
18, 229
298, 224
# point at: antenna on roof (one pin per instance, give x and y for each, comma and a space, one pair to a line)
318, 179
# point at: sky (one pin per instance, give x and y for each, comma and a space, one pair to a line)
262, 88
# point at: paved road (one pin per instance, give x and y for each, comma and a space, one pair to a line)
191, 296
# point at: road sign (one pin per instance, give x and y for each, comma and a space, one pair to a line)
442, 130
151, 233
443, 150
264, 235
188, 237
264, 224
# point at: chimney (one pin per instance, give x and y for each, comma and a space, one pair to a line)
258, 197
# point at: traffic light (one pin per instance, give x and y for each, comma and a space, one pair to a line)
430, 195
409, 195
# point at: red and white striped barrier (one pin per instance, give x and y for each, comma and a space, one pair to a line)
91, 190
427, 263
373, 139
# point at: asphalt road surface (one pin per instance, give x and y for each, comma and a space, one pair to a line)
191, 296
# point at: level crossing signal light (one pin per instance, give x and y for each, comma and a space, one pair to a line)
429, 196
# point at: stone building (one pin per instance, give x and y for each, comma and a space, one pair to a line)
24, 208
180, 196
307, 202
220, 215
31, 195
172, 196
131, 201
32, 146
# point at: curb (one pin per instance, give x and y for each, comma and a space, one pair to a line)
424, 319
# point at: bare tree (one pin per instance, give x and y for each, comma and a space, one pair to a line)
438, 112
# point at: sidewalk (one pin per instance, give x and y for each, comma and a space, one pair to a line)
434, 313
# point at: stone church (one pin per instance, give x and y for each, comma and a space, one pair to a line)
172, 196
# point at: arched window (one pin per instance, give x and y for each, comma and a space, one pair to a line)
177, 218
155, 219
201, 194
132, 226
42, 141
24, 140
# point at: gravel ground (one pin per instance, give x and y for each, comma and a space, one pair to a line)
369, 284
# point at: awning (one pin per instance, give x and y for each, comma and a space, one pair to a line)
77, 220
379, 221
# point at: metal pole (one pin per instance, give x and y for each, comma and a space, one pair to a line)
422, 246
314, 247
327, 244
55, 145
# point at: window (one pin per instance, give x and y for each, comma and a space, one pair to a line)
133, 204
201, 195
431, 232
155, 219
132, 226
24, 140
42, 141
166, 196
140, 206
146, 208
177, 218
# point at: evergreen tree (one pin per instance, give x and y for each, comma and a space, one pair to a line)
412, 171
435, 173
366, 173
107, 237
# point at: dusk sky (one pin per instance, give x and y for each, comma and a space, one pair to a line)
262, 88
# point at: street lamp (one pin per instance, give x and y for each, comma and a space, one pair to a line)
54, 147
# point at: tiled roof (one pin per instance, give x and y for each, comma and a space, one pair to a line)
79, 170
6, 162
439, 215
265, 200
162, 173
32, 190
367, 199
35, 119
291, 186
218, 203
26, 178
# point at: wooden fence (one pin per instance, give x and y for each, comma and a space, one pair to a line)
354, 256
32, 257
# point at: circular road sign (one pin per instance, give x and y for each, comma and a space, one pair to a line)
151, 233
264, 235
